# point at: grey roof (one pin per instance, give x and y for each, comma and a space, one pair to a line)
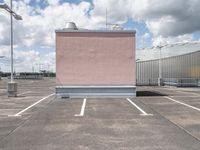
95, 31
167, 51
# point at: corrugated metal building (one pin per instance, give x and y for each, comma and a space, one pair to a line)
180, 65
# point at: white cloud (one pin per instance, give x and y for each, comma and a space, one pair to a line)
26, 60
168, 40
172, 20
167, 19
38, 25
146, 36
142, 41
37, 30
117, 11
53, 2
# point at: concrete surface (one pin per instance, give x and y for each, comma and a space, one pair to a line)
108, 124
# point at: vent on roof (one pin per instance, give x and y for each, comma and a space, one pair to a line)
71, 26
116, 27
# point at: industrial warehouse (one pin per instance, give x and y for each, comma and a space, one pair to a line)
179, 65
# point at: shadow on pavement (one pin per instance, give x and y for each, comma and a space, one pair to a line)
149, 93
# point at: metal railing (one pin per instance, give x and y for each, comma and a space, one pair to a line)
182, 82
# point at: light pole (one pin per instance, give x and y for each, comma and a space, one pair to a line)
136, 68
12, 86
160, 65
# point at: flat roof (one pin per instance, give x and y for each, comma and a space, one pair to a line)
170, 50
95, 31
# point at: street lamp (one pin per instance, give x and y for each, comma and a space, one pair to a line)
4, 6
136, 68
9, 9
160, 65
12, 86
137, 60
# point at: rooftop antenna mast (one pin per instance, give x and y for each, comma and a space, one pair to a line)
106, 19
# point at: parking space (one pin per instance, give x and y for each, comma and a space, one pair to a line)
29, 92
181, 109
150, 121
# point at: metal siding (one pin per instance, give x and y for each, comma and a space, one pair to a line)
174, 68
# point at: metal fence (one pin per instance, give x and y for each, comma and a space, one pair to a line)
183, 70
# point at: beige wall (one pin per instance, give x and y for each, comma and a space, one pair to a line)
93, 58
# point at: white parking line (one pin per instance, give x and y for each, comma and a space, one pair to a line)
184, 96
52, 88
82, 109
19, 113
143, 113
23, 93
195, 108
185, 92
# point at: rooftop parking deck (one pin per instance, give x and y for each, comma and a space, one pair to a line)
165, 118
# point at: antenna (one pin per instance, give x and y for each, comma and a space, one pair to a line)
115, 26
106, 19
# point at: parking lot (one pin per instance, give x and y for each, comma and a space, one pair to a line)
165, 118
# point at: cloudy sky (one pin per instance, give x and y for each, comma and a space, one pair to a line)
156, 21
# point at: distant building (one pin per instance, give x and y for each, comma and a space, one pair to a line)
180, 65
95, 63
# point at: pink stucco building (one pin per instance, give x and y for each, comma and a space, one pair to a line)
95, 63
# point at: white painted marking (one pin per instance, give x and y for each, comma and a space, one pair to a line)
52, 88
19, 113
185, 92
82, 109
143, 113
184, 96
23, 93
195, 108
